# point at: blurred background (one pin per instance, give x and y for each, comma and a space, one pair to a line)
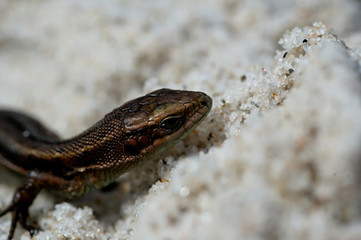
70, 62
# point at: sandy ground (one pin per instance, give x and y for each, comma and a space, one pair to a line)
277, 158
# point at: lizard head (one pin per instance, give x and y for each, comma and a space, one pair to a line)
158, 120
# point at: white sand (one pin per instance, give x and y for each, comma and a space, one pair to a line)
279, 156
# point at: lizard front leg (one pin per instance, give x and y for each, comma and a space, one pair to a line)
19, 207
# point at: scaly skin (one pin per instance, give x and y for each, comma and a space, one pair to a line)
136, 132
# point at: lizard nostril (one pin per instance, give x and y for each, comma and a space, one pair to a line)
204, 103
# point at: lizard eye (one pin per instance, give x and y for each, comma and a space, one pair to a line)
172, 123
